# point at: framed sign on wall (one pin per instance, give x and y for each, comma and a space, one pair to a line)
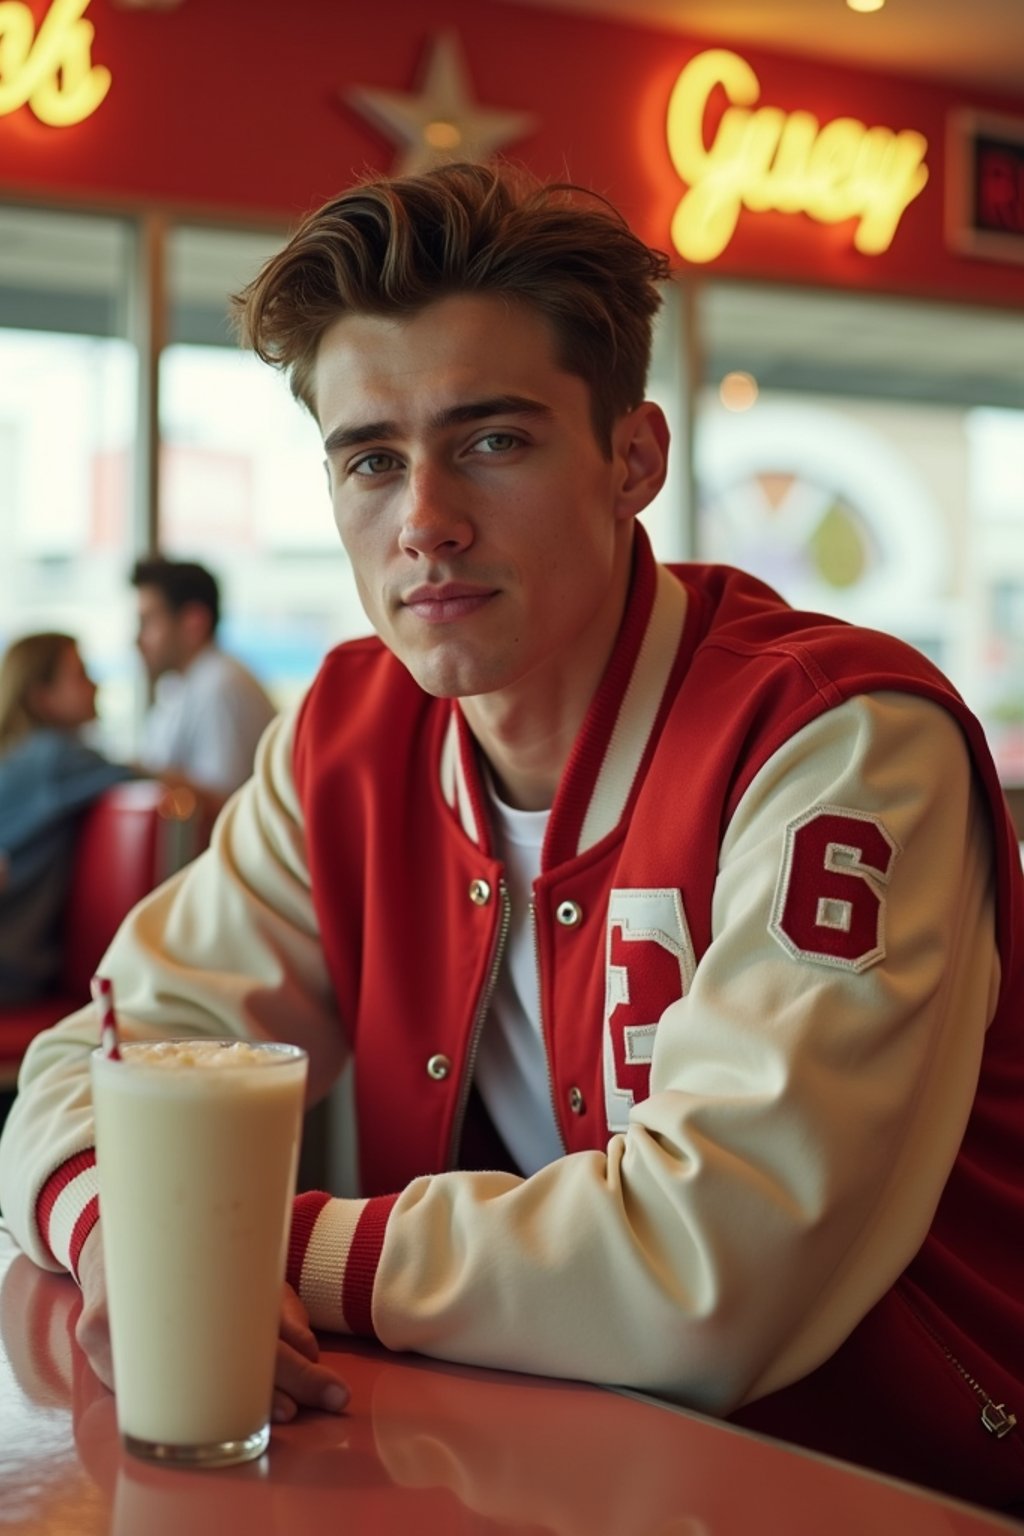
985, 197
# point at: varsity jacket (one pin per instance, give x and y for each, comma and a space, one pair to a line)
779, 945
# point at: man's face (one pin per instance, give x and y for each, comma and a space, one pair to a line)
488, 533
158, 635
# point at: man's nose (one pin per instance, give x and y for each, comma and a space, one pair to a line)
436, 516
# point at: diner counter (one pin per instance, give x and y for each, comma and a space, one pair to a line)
424, 1448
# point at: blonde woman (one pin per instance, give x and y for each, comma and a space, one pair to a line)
48, 776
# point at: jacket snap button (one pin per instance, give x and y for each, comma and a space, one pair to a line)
576, 1101
438, 1068
569, 914
479, 892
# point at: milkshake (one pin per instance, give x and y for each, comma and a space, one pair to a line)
197, 1146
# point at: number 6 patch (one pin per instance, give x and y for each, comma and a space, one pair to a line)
830, 900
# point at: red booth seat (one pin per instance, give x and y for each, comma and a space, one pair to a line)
132, 838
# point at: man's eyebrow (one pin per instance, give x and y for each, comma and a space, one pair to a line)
454, 415
351, 437
496, 405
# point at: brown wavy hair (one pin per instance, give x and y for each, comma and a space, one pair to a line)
390, 246
28, 663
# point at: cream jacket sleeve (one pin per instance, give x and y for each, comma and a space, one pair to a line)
802, 1121
227, 947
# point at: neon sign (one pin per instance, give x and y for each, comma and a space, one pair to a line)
50, 71
766, 159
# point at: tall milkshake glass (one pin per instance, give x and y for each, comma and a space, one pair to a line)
197, 1147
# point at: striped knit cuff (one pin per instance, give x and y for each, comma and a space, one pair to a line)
333, 1255
67, 1208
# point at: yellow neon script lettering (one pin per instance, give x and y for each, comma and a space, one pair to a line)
784, 161
51, 70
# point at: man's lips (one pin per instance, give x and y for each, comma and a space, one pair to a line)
447, 602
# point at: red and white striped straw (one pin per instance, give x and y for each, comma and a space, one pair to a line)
102, 989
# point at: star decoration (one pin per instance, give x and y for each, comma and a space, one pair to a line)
441, 122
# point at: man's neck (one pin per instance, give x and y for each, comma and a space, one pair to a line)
526, 754
189, 660
527, 731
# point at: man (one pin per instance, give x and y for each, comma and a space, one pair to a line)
675, 936
209, 711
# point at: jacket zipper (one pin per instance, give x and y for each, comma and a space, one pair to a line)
540, 1021
996, 1418
478, 1020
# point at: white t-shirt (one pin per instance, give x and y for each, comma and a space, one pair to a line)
206, 721
511, 1071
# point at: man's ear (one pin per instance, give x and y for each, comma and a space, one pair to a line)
640, 450
196, 624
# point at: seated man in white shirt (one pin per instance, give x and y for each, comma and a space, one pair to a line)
209, 711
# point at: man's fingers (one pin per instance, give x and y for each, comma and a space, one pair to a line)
300, 1383
92, 1330
294, 1327
93, 1334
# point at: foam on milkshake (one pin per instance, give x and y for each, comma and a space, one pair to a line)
208, 1055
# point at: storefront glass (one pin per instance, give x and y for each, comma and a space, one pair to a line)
67, 428
870, 463
242, 484
865, 458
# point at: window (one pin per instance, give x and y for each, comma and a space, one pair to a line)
67, 425
876, 472
243, 487
873, 471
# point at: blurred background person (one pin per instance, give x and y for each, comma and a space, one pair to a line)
48, 777
209, 711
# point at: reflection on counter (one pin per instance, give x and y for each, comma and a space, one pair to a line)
427, 1448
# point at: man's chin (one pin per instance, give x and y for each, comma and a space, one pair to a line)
439, 689
462, 682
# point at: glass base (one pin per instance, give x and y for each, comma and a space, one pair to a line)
221, 1453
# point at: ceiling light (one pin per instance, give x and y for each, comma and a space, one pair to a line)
441, 134
865, 5
738, 391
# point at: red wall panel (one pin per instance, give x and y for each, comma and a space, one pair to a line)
235, 109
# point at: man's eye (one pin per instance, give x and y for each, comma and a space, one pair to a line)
497, 442
374, 464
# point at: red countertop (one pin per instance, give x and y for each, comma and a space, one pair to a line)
425, 1448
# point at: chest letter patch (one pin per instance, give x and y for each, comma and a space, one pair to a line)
649, 965
830, 900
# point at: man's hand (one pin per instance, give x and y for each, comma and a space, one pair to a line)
299, 1381
92, 1329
